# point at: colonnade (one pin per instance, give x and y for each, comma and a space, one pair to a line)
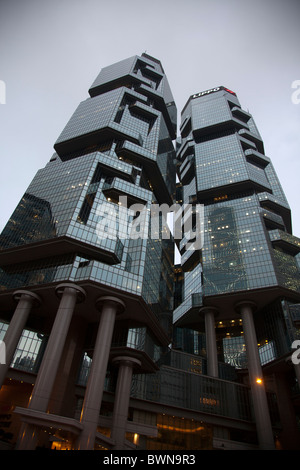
258, 392
108, 306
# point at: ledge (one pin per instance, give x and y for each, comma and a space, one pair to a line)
57, 246
40, 418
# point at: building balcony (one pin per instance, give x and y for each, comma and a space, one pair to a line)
117, 187
259, 176
134, 152
187, 313
186, 147
253, 156
142, 156
279, 206
186, 126
269, 200
241, 113
187, 169
158, 99
275, 219
144, 110
287, 242
106, 250
209, 128
246, 134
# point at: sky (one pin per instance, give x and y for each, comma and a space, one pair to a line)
51, 52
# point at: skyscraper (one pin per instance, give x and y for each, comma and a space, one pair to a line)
69, 237
245, 280
108, 345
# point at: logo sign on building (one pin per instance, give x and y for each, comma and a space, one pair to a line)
212, 90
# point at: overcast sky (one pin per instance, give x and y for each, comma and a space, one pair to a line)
51, 52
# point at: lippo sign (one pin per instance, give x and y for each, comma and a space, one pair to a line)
118, 221
212, 90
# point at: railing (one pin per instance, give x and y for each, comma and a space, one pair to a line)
201, 393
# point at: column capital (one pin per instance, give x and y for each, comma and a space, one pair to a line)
81, 295
111, 300
127, 360
35, 299
245, 303
208, 309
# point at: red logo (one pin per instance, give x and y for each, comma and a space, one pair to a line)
229, 91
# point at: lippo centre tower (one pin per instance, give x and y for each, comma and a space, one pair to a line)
245, 280
110, 294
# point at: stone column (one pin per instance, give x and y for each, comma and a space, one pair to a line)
94, 390
70, 294
211, 342
259, 398
26, 300
122, 396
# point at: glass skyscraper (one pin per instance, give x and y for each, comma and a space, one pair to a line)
241, 288
108, 344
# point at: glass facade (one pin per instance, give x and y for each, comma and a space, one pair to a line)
236, 254
85, 219
173, 386
81, 220
29, 352
248, 246
175, 433
118, 143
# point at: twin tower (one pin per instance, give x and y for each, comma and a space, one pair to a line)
117, 325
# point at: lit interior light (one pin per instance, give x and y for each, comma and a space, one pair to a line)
259, 380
